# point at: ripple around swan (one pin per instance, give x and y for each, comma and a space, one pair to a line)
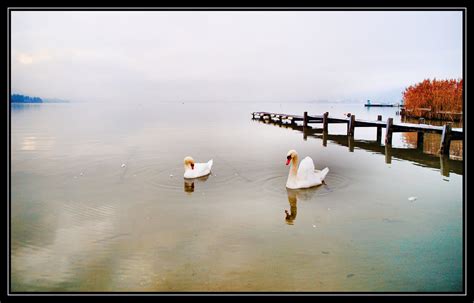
275, 185
264, 181
172, 179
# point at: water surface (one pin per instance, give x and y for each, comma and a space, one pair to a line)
98, 203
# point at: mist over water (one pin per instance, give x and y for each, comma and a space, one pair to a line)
99, 203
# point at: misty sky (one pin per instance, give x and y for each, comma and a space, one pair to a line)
231, 56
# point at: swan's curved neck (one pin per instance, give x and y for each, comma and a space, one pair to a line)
294, 166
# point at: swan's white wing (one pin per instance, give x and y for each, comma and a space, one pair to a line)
322, 173
203, 169
209, 163
306, 169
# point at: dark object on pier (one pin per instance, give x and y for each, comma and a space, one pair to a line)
368, 104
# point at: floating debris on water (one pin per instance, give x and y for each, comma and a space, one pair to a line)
388, 220
350, 275
171, 176
325, 252
81, 174
123, 164
412, 199
314, 226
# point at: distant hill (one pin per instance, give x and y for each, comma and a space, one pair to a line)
16, 98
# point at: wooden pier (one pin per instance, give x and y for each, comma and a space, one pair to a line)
447, 132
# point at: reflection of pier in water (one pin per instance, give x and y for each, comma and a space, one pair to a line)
415, 155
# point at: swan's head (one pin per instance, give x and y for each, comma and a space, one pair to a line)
290, 156
189, 162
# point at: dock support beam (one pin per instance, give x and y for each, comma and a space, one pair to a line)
350, 143
351, 126
389, 131
445, 140
420, 136
379, 130
388, 153
305, 119
444, 165
325, 122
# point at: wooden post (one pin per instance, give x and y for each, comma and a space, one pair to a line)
325, 122
420, 139
445, 140
379, 130
350, 143
388, 153
351, 126
389, 130
325, 138
305, 119
444, 165
420, 136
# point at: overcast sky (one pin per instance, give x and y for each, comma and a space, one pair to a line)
240, 56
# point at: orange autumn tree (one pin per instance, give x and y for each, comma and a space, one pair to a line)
439, 95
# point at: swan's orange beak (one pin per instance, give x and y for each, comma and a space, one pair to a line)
192, 165
288, 161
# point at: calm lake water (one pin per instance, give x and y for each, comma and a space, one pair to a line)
83, 221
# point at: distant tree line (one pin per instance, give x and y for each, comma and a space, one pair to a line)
16, 98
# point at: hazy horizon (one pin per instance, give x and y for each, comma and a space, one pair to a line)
240, 56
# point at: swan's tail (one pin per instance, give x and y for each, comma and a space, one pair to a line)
210, 162
324, 172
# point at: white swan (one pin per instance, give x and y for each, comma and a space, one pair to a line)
196, 170
305, 175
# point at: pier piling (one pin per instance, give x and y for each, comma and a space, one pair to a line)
325, 122
420, 136
389, 131
351, 126
379, 130
445, 140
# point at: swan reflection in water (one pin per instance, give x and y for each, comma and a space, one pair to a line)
189, 183
293, 196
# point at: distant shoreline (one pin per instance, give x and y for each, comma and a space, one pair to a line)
24, 99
